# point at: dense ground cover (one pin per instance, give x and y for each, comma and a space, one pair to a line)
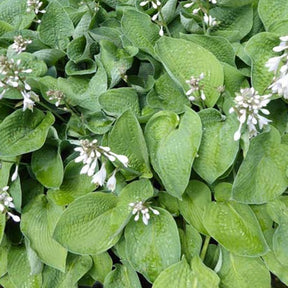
143, 143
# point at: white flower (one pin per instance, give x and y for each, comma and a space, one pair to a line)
29, 99
248, 105
15, 174
213, 1
34, 5
111, 183
209, 20
20, 44
6, 202
279, 85
55, 95
140, 207
90, 153
273, 63
100, 176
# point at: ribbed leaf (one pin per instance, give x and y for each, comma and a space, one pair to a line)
23, 132
147, 245
243, 272
56, 26
37, 224
216, 156
127, 138
139, 29
173, 145
183, 59
235, 226
262, 175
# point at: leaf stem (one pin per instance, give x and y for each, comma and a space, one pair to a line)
205, 247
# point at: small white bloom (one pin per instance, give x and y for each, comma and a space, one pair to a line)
111, 183
34, 5
140, 207
14, 217
15, 174
20, 44
161, 31
209, 20
195, 11
100, 176
273, 63
248, 105
188, 5
213, 1
6, 202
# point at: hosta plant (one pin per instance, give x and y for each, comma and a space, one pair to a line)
143, 143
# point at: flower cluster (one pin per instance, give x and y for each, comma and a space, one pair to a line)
156, 4
195, 88
13, 76
140, 207
280, 80
55, 95
20, 44
35, 6
6, 202
90, 153
202, 11
248, 105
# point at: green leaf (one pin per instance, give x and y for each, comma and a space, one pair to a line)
37, 224
197, 195
235, 226
234, 23
232, 3
30, 61
16, 193
75, 49
23, 132
56, 26
216, 156
5, 27
271, 12
166, 95
146, 245
217, 45
79, 226
102, 265
176, 275
49, 56
97, 86
191, 242
3, 256
243, 272
116, 101
2, 225
123, 276
262, 175
47, 166
81, 67
14, 13
260, 49
181, 275
116, 61
19, 269
126, 138
183, 59
234, 80
173, 145
76, 267
139, 29
279, 241
276, 267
